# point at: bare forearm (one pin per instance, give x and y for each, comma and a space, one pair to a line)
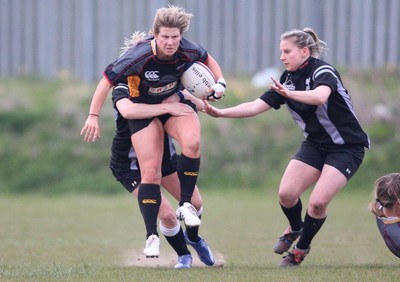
214, 67
130, 110
310, 97
99, 96
141, 111
248, 109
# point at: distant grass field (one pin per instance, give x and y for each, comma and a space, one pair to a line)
100, 238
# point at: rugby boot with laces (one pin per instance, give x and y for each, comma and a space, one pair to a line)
294, 258
286, 240
152, 248
202, 249
188, 214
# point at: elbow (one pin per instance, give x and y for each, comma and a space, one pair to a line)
125, 114
124, 109
321, 101
322, 94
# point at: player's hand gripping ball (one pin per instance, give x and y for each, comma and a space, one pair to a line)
198, 79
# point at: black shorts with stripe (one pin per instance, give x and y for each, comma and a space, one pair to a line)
130, 178
346, 158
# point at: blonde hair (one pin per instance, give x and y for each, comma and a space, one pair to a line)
173, 17
386, 193
136, 37
307, 38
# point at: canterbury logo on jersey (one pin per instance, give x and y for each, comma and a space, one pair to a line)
190, 173
152, 75
149, 201
166, 89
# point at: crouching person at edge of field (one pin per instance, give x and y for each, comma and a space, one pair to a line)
386, 208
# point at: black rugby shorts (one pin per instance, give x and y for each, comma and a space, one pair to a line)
130, 178
346, 158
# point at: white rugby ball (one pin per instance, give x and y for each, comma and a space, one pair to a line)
197, 79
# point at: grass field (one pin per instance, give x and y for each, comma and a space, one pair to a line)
100, 238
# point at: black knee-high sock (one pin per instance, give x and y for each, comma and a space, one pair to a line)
193, 233
310, 229
178, 243
188, 170
293, 214
149, 198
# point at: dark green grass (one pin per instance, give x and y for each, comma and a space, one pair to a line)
100, 238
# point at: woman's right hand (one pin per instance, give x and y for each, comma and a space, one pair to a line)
91, 129
210, 110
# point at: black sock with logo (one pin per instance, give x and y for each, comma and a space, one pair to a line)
149, 199
187, 170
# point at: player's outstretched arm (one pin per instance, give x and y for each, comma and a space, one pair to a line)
248, 109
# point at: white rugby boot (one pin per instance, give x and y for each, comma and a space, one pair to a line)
188, 214
152, 249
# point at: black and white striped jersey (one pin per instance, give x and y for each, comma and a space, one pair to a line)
333, 123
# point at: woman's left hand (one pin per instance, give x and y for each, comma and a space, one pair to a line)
278, 87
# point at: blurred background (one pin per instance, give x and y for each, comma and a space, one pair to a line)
78, 38
52, 53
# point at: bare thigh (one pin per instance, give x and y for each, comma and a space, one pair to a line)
149, 146
297, 178
328, 185
186, 131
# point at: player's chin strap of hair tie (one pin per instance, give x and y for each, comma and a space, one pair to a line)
220, 86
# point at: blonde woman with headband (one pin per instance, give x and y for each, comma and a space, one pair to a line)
333, 149
386, 208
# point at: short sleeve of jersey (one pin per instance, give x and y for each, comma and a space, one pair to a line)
192, 50
119, 92
326, 75
273, 98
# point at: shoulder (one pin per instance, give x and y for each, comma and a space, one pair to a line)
192, 49
133, 59
321, 67
189, 44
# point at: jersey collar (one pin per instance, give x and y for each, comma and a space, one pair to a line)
154, 46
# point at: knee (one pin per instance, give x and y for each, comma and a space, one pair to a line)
286, 198
317, 208
191, 146
151, 175
168, 218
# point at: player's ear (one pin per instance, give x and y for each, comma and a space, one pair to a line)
305, 52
